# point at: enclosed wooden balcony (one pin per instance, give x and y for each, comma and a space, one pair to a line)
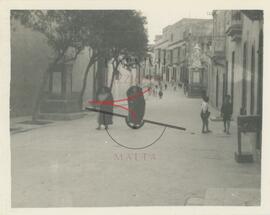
234, 27
218, 47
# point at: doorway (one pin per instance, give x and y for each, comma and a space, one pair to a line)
232, 79
217, 88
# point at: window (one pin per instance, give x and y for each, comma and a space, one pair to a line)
174, 73
171, 37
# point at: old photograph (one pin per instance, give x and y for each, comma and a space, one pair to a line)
117, 108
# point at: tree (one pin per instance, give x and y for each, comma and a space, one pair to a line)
113, 35
61, 30
126, 38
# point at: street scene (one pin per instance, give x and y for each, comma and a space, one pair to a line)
104, 113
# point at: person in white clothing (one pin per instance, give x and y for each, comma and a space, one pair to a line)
205, 115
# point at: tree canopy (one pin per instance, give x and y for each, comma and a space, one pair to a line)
110, 32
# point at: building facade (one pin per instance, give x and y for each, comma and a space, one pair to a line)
237, 57
173, 50
30, 57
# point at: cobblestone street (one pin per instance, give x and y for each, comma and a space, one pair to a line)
71, 164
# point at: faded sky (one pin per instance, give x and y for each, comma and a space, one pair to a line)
158, 18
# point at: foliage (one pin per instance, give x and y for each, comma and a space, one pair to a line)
59, 28
113, 35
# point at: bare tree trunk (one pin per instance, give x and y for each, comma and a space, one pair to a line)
139, 81
90, 63
94, 82
115, 68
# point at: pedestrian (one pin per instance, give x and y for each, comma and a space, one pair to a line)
105, 95
205, 115
137, 105
165, 86
156, 90
226, 112
160, 93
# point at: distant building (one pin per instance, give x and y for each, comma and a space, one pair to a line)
174, 48
218, 78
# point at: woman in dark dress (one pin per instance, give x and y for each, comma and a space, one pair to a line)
104, 94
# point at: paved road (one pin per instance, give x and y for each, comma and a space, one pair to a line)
70, 164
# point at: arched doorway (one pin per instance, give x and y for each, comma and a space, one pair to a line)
232, 78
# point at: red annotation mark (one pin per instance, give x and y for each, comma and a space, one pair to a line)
112, 102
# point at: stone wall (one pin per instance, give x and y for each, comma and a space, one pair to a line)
30, 57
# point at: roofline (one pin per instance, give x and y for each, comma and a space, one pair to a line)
161, 43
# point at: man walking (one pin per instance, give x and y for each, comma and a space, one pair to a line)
226, 113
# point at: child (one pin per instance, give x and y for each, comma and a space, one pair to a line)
205, 115
166, 86
226, 112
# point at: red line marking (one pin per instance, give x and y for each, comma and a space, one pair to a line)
111, 102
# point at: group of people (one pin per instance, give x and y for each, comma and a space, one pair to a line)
156, 90
226, 114
104, 94
105, 103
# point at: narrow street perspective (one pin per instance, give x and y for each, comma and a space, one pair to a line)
75, 166
105, 113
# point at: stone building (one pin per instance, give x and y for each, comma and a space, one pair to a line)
174, 47
198, 40
237, 57
218, 76
30, 57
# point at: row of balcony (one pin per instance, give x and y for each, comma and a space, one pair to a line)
218, 47
217, 51
233, 30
